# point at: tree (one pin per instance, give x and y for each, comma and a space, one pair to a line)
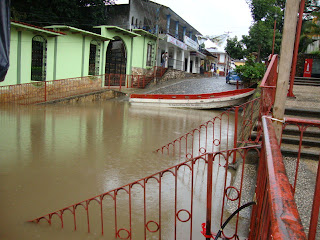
310, 28
235, 48
260, 40
77, 13
252, 71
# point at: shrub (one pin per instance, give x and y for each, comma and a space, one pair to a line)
251, 72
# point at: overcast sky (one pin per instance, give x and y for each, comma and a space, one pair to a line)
212, 17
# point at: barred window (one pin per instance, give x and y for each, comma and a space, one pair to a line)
39, 58
149, 54
94, 58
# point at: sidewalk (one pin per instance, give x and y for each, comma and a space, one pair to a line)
306, 97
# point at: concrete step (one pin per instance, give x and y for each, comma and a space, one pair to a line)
298, 112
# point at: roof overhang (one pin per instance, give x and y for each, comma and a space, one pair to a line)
77, 30
119, 30
36, 29
144, 33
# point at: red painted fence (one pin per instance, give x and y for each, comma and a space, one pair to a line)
225, 131
278, 210
43, 91
172, 202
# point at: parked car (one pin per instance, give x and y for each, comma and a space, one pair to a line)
232, 78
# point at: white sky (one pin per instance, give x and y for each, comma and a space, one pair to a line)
212, 17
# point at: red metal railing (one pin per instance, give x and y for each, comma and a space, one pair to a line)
172, 202
268, 86
225, 131
43, 91
276, 214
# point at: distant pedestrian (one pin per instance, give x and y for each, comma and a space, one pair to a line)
212, 71
164, 59
218, 72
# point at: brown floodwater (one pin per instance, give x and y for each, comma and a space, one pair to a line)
56, 155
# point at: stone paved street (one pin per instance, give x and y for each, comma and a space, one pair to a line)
192, 86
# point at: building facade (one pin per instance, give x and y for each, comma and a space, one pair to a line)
59, 52
176, 36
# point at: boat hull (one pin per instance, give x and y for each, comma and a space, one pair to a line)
194, 101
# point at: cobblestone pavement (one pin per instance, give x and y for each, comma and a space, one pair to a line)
192, 86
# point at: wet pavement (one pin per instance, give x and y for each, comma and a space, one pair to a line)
187, 86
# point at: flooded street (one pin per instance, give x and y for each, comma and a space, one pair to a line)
57, 155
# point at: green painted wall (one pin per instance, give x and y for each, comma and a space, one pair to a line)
11, 77
71, 57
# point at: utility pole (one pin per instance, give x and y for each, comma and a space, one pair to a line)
296, 49
286, 54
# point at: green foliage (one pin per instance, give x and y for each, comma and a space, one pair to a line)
252, 71
317, 53
310, 28
77, 13
235, 48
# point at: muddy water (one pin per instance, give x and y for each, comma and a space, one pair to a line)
55, 156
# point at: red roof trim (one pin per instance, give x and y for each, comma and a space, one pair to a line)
193, 96
45, 29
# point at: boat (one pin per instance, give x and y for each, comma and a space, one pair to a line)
195, 101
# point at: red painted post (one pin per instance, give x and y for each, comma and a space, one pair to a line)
296, 48
209, 195
315, 208
235, 137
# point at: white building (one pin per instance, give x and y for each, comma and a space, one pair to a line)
224, 60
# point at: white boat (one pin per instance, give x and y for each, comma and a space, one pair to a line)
195, 101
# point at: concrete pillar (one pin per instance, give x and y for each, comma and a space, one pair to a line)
182, 60
188, 63
167, 50
175, 58
287, 46
194, 65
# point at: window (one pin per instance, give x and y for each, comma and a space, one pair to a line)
149, 54
94, 58
132, 21
39, 58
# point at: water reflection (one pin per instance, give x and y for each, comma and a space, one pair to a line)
54, 156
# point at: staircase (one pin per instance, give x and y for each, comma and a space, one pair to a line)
142, 81
307, 81
310, 146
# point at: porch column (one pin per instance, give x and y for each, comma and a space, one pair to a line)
167, 50
182, 60
175, 58
194, 65
188, 63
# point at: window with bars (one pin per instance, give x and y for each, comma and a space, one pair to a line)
39, 58
149, 55
94, 58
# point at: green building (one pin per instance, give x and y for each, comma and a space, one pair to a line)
60, 52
